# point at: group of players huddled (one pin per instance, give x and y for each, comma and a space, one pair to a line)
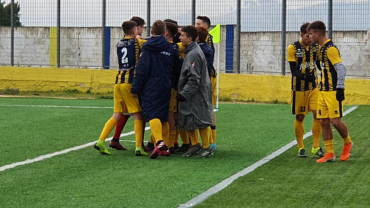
315, 53
169, 81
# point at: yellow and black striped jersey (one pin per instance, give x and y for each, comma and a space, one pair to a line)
182, 50
329, 56
306, 59
128, 53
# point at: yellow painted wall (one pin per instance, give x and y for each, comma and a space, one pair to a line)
240, 87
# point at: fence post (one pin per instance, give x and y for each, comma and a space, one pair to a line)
238, 34
330, 18
12, 33
193, 11
58, 33
148, 14
104, 18
283, 36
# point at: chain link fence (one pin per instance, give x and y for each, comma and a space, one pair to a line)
69, 33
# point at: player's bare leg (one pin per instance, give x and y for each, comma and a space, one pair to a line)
341, 127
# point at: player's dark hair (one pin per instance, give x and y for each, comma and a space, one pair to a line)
190, 31
171, 28
202, 34
139, 21
171, 21
205, 19
317, 25
127, 26
158, 28
304, 27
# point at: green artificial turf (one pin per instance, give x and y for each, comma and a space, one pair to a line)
84, 178
289, 181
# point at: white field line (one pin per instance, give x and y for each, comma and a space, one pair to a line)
65, 151
225, 183
50, 155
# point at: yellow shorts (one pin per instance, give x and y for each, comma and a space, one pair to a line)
173, 101
304, 101
329, 106
214, 90
124, 100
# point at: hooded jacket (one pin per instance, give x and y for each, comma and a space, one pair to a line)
195, 86
209, 53
153, 77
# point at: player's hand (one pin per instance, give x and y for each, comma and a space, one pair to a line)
180, 98
340, 94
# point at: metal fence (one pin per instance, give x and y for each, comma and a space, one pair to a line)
69, 33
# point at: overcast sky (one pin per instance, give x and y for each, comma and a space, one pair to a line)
257, 15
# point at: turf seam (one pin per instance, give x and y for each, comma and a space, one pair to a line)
225, 183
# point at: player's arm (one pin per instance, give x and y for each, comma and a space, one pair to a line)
193, 80
293, 64
141, 73
335, 59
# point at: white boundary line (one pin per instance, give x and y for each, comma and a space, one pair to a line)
225, 183
50, 155
57, 106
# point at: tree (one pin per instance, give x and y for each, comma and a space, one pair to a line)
5, 14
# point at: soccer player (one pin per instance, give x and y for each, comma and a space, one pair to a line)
123, 120
171, 31
194, 95
153, 85
302, 58
205, 22
331, 94
128, 52
140, 26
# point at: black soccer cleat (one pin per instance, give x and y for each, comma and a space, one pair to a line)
193, 150
302, 153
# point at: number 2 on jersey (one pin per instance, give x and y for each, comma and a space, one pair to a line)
124, 56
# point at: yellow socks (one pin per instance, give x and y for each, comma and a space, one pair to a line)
184, 137
316, 132
166, 133
329, 145
347, 140
299, 131
156, 128
205, 134
109, 125
213, 135
193, 136
139, 126
173, 137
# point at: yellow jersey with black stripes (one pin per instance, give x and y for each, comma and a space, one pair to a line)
329, 56
306, 59
182, 50
128, 53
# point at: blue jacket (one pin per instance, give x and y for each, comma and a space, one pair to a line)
153, 78
209, 53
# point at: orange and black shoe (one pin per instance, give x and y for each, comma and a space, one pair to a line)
116, 145
328, 157
346, 152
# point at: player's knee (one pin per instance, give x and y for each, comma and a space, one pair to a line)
138, 116
325, 122
336, 122
299, 118
117, 116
